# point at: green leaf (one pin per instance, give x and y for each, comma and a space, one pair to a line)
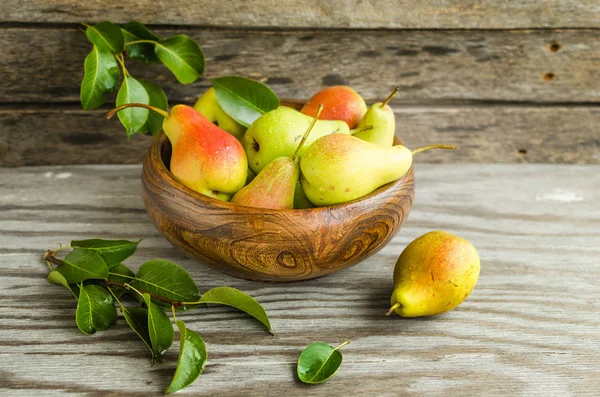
55, 277
166, 279
101, 76
183, 56
191, 360
134, 31
159, 329
137, 318
240, 300
80, 265
243, 99
106, 36
158, 99
120, 269
95, 309
318, 362
112, 251
134, 118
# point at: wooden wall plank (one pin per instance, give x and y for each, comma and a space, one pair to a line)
484, 134
46, 65
398, 14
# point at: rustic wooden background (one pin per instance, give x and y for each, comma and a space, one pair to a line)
512, 82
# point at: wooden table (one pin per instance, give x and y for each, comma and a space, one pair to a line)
531, 327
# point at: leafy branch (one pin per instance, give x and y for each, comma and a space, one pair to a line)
94, 273
105, 66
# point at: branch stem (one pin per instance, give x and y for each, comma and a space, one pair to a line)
175, 304
343, 344
137, 105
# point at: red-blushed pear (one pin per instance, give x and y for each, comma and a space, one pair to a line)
341, 103
433, 275
338, 168
381, 117
204, 157
275, 185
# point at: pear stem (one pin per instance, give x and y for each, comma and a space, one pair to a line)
137, 105
389, 98
361, 129
394, 307
342, 345
310, 127
422, 149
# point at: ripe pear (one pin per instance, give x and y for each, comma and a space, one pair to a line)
278, 132
341, 103
339, 168
208, 105
381, 117
274, 187
434, 274
204, 157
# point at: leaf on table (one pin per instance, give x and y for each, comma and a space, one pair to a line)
101, 76
318, 362
95, 309
159, 328
112, 251
80, 265
135, 31
158, 99
240, 300
54, 277
243, 99
137, 318
114, 276
183, 56
133, 118
191, 360
166, 279
106, 36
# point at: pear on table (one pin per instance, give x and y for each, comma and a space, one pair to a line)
208, 105
275, 185
341, 103
381, 117
339, 168
434, 274
278, 132
204, 157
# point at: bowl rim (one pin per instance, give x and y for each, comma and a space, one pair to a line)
155, 157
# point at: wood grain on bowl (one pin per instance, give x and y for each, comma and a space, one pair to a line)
270, 245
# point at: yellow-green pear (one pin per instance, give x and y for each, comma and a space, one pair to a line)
208, 105
381, 117
275, 185
434, 274
278, 132
338, 168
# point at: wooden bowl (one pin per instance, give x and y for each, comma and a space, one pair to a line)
270, 245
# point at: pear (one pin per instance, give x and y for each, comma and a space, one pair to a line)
381, 117
204, 157
434, 274
277, 133
208, 105
300, 199
339, 168
275, 185
341, 103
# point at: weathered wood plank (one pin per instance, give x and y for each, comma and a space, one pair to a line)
403, 14
484, 134
529, 328
427, 65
